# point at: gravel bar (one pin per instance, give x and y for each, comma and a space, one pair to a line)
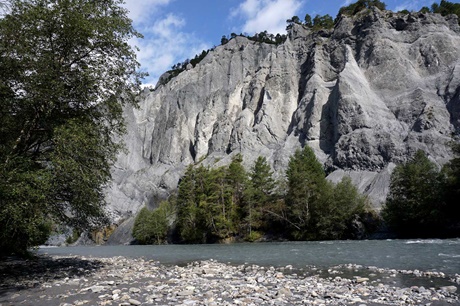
121, 281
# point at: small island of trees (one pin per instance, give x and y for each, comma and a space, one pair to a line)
232, 204
229, 203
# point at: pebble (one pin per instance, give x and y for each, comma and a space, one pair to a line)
134, 302
126, 281
284, 292
185, 293
95, 289
450, 289
361, 279
134, 290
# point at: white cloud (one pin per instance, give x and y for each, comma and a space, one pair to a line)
164, 45
140, 10
167, 27
413, 5
348, 2
269, 15
165, 41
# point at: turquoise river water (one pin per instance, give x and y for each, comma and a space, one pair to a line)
441, 255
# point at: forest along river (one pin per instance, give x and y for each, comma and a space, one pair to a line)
327, 258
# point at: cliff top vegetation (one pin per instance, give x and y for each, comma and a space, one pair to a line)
317, 23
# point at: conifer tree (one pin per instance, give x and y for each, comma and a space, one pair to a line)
451, 173
308, 21
341, 205
259, 195
237, 179
360, 5
414, 204
306, 181
323, 22
187, 206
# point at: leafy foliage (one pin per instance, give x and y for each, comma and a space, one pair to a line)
360, 5
445, 8
259, 196
327, 22
66, 71
451, 172
230, 203
341, 208
323, 22
405, 12
306, 183
190, 222
211, 205
308, 21
268, 38
317, 23
151, 227
317, 209
208, 202
415, 204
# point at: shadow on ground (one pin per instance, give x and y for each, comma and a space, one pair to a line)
19, 274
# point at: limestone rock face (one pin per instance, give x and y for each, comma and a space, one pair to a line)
365, 96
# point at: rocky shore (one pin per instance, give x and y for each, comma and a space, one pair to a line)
75, 280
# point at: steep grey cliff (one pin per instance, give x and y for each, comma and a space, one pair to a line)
364, 96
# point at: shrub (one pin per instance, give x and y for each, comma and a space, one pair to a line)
151, 227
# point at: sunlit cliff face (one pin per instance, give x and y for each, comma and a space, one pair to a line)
365, 96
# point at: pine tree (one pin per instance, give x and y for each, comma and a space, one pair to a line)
308, 21
187, 207
141, 230
360, 5
220, 208
414, 204
451, 173
306, 181
341, 205
259, 196
323, 22
237, 179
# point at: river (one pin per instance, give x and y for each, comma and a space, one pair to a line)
424, 255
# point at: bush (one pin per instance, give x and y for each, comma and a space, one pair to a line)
152, 227
73, 237
254, 236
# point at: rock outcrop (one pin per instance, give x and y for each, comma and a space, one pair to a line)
365, 96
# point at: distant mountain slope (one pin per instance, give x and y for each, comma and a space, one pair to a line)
364, 95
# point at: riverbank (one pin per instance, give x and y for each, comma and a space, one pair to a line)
77, 280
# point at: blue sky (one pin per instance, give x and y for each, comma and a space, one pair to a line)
175, 30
